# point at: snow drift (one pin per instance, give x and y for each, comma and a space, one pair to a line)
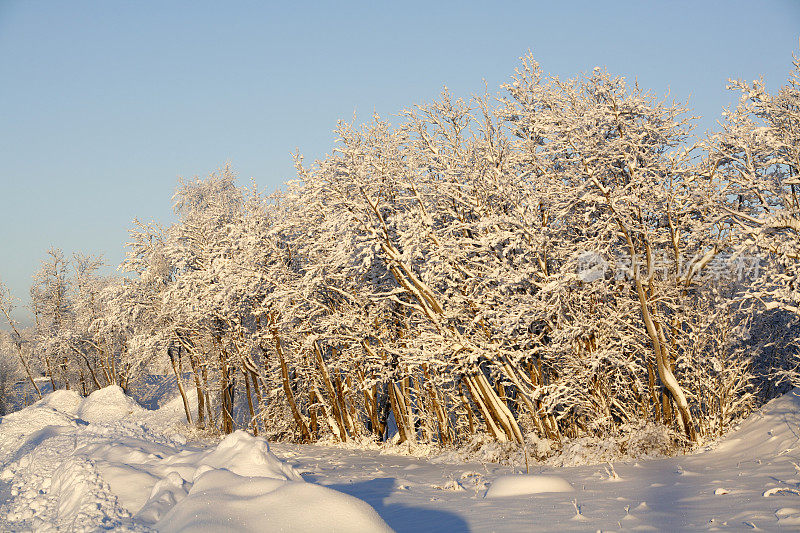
105, 462
521, 485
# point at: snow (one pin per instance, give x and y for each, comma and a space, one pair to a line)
220, 500
106, 405
103, 462
672, 494
65, 401
521, 485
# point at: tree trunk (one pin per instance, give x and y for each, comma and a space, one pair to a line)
436, 404
27, 369
259, 399
398, 406
467, 407
49, 368
305, 433
488, 418
662, 360
195, 364
248, 392
328, 384
499, 410
312, 413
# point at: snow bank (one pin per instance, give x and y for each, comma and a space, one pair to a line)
245, 455
65, 401
521, 485
772, 430
239, 485
220, 500
107, 405
22, 431
102, 462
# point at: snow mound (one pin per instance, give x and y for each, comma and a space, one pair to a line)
521, 485
245, 455
239, 485
770, 431
108, 404
220, 500
64, 401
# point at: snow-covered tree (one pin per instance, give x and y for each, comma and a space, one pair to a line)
52, 310
757, 157
21, 346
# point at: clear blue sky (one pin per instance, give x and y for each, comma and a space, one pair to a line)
104, 104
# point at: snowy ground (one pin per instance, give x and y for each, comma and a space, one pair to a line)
104, 463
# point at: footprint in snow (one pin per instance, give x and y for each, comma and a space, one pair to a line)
451, 485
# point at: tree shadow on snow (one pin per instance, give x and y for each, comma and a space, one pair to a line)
672, 503
400, 517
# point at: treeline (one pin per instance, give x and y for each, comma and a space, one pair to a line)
551, 263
